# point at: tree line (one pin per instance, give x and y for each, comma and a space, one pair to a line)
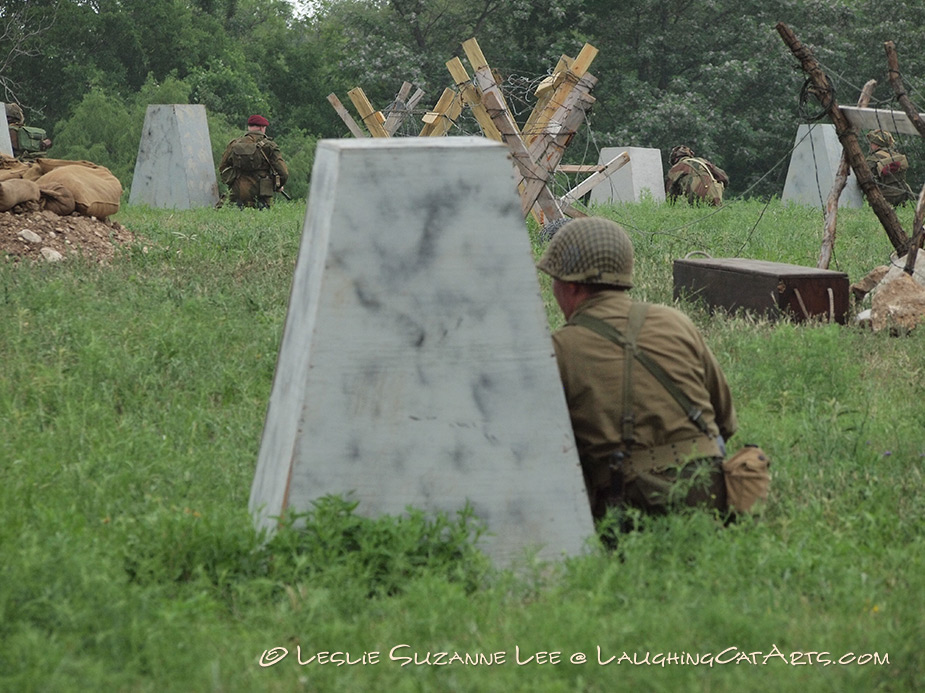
713, 74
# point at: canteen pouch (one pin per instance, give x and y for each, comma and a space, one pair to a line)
748, 478
265, 187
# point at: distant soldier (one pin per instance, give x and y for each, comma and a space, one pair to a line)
888, 166
252, 166
28, 142
695, 178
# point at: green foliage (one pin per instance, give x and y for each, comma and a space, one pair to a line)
131, 403
731, 91
332, 547
102, 130
298, 150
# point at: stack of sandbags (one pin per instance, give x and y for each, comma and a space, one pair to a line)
64, 186
95, 190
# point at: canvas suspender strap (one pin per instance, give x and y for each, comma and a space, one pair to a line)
637, 317
614, 335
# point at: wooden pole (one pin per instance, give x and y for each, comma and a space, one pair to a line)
345, 116
918, 234
900, 90
841, 178
849, 141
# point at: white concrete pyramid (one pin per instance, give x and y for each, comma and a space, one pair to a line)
813, 165
175, 168
416, 367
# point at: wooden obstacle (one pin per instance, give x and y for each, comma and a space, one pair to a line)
562, 101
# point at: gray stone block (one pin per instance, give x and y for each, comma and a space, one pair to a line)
813, 165
416, 366
643, 172
6, 146
175, 168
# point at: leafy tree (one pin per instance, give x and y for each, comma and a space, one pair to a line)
103, 130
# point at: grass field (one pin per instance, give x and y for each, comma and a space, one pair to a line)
132, 400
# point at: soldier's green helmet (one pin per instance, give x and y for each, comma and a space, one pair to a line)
881, 138
590, 250
678, 153
14, 114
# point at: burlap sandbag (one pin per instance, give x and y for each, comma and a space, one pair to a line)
58, 199
96, 191
11, 168
41, 166
16, 191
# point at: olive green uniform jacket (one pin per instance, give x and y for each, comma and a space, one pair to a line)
592, 368
254, 188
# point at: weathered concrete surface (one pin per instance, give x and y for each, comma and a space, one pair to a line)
416, 367
6, 146
813, 165
644, 172
175, 168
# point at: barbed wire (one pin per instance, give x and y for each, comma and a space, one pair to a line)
520, 96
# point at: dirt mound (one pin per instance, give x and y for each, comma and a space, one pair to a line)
47, 237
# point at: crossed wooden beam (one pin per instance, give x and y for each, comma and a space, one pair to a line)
563, 100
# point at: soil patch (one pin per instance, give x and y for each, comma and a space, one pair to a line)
44, 236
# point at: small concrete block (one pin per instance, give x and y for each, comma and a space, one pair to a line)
175, 168
643, 172
813, 166
416, 366
6, 146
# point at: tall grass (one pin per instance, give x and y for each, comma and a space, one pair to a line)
132, 399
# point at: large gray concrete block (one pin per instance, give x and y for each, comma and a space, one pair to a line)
6, 146
643, 172
175, 168
416, 366
813, 166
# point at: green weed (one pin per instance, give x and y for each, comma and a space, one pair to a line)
132, 400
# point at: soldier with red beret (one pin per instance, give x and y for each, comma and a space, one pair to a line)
252, 166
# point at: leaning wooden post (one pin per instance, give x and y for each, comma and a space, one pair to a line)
849, 141
900, 90
841, 178
918, 234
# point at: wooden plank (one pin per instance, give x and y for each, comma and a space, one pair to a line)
579, 168
591, 181
438, 121
473, 98
371, 117
549, 149
544, 93
345, 116
532, 177
415, 97
399, 111
880, 118
484, 77
572, 76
